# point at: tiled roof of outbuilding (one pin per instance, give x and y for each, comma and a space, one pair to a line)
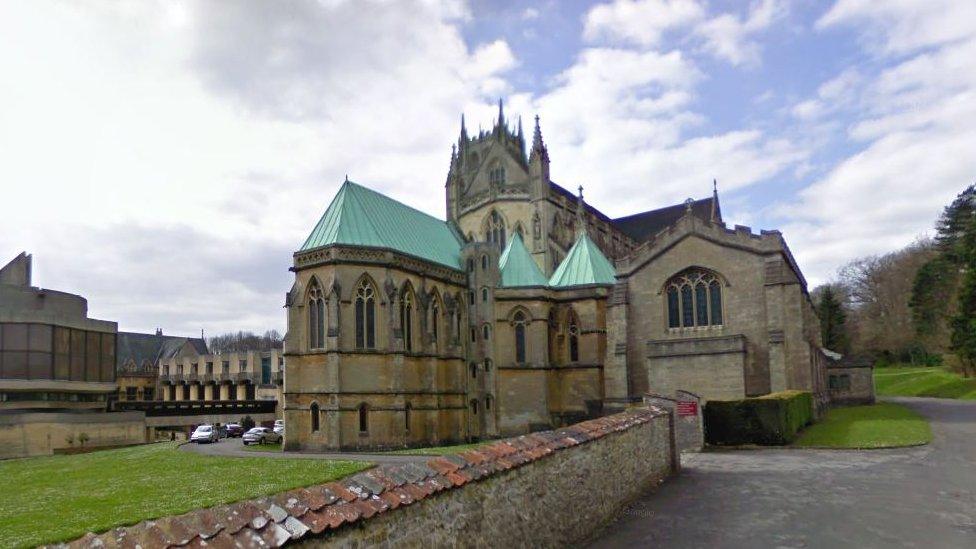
359, 216
585, 264
150, 348
517, 266
276, 520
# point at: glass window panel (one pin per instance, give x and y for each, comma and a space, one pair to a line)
687, 311
715, 291
93, 351
371, 324
77, 355
40, 366
40, 337
701, 304
674, 309
15, 337
15, 364
520, 343
108, 357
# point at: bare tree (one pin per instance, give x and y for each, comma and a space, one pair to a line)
241, 341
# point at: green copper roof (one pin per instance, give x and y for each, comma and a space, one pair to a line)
517, 266
359, 216
584, 264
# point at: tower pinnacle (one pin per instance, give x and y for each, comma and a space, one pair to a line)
580, 220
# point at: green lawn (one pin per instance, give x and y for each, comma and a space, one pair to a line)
56, 498
882, 425
925, 382
439, 450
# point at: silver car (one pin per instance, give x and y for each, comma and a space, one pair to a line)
261, 435
205, 433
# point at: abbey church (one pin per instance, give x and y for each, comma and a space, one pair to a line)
528, 308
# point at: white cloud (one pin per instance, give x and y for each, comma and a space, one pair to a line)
904, 26
621, 122
164, 159
731, 38
642, 22
913, 123
530, 14
726, 36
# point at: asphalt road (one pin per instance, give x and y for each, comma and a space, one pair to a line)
913, 497
234, 447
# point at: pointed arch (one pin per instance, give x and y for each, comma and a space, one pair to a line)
573, 335
519, 230
694, 298
314, 419
519, 318
435, 314
315, 300
408, 313
364, 303
493, 227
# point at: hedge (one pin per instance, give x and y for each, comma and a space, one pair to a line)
771, 419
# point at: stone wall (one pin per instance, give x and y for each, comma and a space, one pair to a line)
546, 489
40, 434
850, 385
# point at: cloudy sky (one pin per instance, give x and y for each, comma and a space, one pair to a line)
164, 159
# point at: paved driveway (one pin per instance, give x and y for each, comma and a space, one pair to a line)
234, 447
915, 497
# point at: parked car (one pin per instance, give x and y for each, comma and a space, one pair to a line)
279, 427
205, 433
234, 430
261, 435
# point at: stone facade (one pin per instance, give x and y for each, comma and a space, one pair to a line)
850, 380
690, 304
251, 375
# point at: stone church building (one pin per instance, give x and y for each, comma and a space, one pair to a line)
528, 308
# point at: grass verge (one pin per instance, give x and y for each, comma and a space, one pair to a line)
882, 425
438, 450
924, 382
58, 498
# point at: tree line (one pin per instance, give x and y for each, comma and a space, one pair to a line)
236, 342
914, 305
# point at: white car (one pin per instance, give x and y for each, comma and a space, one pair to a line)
205, 433
261, 435
279, 427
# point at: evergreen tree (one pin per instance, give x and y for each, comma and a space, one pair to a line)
932, 291
964, 323
832, 321
953, 222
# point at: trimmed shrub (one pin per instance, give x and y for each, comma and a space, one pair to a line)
772, 419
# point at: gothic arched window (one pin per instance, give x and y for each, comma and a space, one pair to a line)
435, 319
573, 339
365, 316
316, 317
694, 298
363, 418
474, 370
496, 176
406, 319
495, 229
313, 411
519, 322
406, 416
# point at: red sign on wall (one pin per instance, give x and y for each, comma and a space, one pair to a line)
687, 408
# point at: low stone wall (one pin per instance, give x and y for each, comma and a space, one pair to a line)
545, 489
42, 433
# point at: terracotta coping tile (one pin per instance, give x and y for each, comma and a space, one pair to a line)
340, 491
442, 465
392, 499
